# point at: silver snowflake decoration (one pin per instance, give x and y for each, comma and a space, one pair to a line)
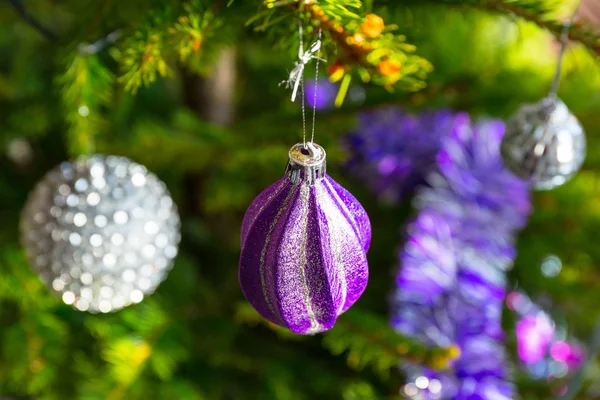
544, 144
102, 232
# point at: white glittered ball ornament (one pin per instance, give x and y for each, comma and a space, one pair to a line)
544, 144
100, 231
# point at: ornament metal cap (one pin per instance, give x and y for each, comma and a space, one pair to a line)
546, 107
307, 163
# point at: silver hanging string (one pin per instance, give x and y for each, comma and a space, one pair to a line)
564, 41
295, 79
303, 114
300, 79
312, 137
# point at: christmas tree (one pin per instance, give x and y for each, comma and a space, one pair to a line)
478, 287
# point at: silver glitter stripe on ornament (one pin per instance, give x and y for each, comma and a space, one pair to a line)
267, 288
304, 204
102, 232
336, 222
346, 212
544, 144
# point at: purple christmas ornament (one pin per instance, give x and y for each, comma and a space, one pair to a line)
304, 243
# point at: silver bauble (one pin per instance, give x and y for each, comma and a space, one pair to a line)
101, 231
544, 144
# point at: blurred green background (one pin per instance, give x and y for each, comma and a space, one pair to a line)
216, 146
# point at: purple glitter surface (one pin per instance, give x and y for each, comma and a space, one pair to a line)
353, 210
303, 259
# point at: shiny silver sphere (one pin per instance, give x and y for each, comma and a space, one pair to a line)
102, 232
544, 144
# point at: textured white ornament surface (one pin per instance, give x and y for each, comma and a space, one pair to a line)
102, 232
544, 143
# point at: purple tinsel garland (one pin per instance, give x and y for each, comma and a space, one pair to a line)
393, 150
452, 284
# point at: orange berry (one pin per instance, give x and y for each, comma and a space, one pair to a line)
389, 68
373, 25
359, 39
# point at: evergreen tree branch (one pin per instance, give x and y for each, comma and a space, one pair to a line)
535, 11
578, 32
364, 44
33, 22
148, 346
87, 85
143, 59
369, 340
188, 37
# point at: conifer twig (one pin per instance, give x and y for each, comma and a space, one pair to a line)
385, 347
31, 21
577, 33
534, 12
368, 48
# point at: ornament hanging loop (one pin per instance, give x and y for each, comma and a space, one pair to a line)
564, 41
295, 79
306, 163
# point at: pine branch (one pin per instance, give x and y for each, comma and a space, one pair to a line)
33, 22
193, 37
28, 345
147, 344
143, 60
364, 44
536, 11
87, 86
370, 340
540, 7
578, 32
189, 37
